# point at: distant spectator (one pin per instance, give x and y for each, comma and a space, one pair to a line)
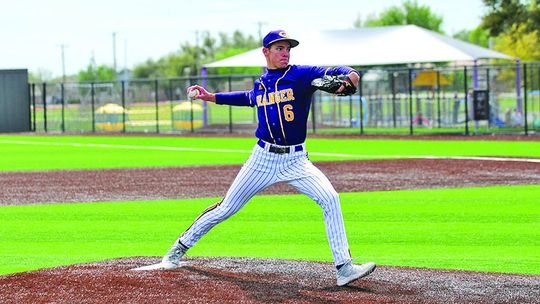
455, 111
517, 119
536, 122
508, 117
420, 120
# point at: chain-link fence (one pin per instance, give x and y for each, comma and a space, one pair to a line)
485, 99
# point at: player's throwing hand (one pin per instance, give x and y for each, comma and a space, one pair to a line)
203, 93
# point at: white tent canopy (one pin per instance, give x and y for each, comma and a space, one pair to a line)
371, 46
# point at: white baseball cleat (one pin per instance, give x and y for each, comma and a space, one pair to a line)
175, 253
349, 272
171, 260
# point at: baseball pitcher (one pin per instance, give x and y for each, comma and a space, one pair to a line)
282, 96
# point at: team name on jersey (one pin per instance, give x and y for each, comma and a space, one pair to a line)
275, 97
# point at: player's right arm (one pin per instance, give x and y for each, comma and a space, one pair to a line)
241, 98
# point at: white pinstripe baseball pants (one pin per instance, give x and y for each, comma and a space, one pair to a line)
263, 169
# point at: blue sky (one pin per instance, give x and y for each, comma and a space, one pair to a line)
32, 31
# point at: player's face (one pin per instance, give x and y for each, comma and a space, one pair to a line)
277, 55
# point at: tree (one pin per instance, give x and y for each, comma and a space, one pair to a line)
410, 13
502, 15
188, 60
422, 16
391, 16
519, 43
147, 69
231, 47
41, 75
358, 22
462, 35
99, 73
478, 36
516, 26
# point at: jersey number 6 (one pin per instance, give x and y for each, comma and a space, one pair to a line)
287, 111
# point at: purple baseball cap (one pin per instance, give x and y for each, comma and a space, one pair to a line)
278, 35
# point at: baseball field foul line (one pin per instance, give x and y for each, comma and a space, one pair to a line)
164, 148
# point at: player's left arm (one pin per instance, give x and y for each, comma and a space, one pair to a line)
354, 77
318, 72
339, 80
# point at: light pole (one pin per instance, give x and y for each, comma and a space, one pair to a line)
259, 26
62, 47
114, 51
197, 52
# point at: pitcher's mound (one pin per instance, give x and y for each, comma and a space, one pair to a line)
249, 280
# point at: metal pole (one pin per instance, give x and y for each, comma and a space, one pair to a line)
393, 84
63, 108
525, 98
339, 106
156, 99
230, 107
439, 99
123, 106
30, 106
34, 107
410, 104
114, 52
191, 115
360, 94
518, 86
171, 103
44, 97
475, 75
350, 111
489, 93
62, 47
204, 73
466, 89
93, 107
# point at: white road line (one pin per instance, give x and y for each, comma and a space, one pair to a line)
365, 156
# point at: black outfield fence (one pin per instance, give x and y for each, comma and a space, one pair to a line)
484, 99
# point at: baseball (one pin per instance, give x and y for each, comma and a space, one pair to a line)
193, 93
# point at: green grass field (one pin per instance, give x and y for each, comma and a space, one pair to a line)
86, 152
484, 229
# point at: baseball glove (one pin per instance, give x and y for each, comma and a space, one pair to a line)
331, 84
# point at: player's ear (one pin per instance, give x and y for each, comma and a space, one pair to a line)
266, 51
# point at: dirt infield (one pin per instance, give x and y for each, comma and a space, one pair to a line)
205, 181
246, 280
